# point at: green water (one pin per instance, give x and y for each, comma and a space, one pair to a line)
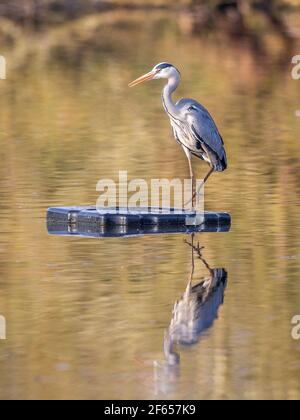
86, 318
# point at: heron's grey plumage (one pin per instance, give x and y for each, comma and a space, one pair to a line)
204, 139
194, 127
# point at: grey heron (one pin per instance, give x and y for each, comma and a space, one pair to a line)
193, 127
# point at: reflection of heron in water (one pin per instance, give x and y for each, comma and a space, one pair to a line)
192, 316
197, 310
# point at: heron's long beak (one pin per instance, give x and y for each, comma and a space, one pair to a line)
144, 78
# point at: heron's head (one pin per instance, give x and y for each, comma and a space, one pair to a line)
160, 71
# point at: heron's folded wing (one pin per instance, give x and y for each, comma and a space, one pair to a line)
203, 128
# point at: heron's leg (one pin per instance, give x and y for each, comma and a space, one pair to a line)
198, 249
196, 193
193, 259
191, 244
189, 157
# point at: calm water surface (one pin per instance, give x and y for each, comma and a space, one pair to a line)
86, 318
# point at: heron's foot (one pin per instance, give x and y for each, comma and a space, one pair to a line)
196, 248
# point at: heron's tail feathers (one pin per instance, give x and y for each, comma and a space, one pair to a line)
220, 164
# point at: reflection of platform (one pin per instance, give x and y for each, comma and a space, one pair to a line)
87, 221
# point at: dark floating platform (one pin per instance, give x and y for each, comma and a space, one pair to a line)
87, 221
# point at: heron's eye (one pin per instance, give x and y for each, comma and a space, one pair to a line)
163, 66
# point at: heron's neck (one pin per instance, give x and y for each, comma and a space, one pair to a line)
169, 88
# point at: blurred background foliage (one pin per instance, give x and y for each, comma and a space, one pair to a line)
51, 10
27, 26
